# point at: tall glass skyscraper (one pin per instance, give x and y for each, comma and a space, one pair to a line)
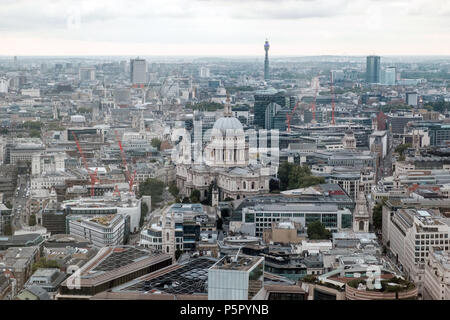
262, 99
266, 60
373, 70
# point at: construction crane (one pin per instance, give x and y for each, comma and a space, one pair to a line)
130, 178
332, 98
92, 175
289, 116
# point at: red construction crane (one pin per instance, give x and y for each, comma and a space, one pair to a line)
289, 117
130, 179
332, 99
92, 175
131, 182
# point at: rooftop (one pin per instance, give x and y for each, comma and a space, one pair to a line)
112, 262
243, 263
189, 277
104, 220
443, 257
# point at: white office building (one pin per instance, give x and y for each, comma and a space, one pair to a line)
102, 230
436, 283
410, 235
236, 278
330, 215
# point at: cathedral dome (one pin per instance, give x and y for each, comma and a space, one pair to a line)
227, 123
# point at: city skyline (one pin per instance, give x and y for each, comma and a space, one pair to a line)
213, 28
236, 153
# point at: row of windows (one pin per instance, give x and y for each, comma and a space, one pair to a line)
425, 248
285, 215
431, 242
432, 236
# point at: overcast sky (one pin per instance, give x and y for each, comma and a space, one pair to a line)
224, 27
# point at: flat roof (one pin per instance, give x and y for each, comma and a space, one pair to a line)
243, 263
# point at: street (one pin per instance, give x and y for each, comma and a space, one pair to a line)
20, 200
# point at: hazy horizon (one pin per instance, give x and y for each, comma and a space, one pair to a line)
224, 28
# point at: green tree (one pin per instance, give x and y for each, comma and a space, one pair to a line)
274, 186
185, 200
234, 89
8, 204
36, 125
44, 263
156, 143
8, 229
173, 189
55, 126
439, 106
294, 176
32, 221
402, 148
377, 215
283, 174
144, 212
34, 133
195, 196
154, 188
309, 278
317, 231
392, 108
84, 110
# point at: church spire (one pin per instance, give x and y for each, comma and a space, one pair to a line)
227, 111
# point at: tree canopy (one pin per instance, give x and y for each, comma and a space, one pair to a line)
173, 189
293, 176
401, 150
84, 110
8, 229
156, 143
152, 187
32, 221
317, 231
391, 108
439, 106
195, 196
235, 89
34, 133
144, 212
36, 125
44, 263
378, 216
